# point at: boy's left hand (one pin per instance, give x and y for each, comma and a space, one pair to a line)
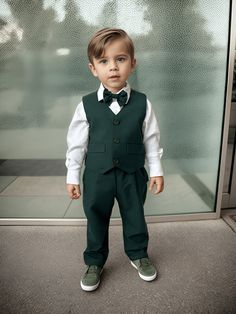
159, 182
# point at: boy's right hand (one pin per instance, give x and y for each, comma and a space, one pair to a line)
73, 191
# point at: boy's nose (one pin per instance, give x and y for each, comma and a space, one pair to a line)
113, 66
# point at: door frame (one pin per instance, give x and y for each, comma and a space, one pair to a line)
224, 198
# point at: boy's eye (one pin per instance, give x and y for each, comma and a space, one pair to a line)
103, 61
121, 59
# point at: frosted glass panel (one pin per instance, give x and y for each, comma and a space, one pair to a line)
181, 51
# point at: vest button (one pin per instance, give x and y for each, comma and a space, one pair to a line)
116, 121
116, 140
116, 162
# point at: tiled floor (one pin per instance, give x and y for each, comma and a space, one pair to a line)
36, 186
46, 197
5, 181
32, 167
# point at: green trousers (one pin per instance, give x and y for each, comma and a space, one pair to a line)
99, 193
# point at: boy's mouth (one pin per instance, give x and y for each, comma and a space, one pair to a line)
114, 77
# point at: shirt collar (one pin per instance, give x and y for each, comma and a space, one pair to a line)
127, 89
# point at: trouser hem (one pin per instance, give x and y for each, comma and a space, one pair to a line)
133, 258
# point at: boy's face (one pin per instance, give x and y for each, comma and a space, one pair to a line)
114, 67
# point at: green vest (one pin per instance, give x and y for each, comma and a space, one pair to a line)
115, 140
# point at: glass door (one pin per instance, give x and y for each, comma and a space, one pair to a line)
182, 58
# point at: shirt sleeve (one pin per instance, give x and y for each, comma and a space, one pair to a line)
77, 143
151, 140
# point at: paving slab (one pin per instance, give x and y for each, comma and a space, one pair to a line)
41, 267
33, 206
36, 186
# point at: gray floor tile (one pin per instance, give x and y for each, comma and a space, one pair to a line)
33, 167
5, 181
33, 186
76, 210
177, 197
33, 207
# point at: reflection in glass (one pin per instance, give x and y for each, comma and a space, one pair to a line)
181, 49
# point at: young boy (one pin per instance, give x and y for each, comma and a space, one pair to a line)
114, 129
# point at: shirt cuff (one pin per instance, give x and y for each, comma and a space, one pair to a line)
155, 169
73, 177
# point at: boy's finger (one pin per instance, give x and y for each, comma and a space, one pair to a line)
70, 192
76, 192
158, 190
151, 185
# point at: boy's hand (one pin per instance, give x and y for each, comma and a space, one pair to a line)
159, 181
73, 191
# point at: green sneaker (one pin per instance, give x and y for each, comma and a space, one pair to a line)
91, 279
146, 269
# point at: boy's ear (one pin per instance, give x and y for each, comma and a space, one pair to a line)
92, 68
133, 64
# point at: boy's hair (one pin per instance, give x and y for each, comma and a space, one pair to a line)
105, 36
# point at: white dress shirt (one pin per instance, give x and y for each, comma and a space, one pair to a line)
78, 134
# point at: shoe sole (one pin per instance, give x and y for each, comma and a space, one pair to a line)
146, 278
90, 288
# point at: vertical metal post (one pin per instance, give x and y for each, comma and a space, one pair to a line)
227, 106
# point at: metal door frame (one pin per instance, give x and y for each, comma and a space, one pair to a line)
227, 198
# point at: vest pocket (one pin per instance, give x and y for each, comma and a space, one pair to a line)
135, 148
96, 148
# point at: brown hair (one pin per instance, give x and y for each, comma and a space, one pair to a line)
105, 36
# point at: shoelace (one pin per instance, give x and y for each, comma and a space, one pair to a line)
92, 269
144, 262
